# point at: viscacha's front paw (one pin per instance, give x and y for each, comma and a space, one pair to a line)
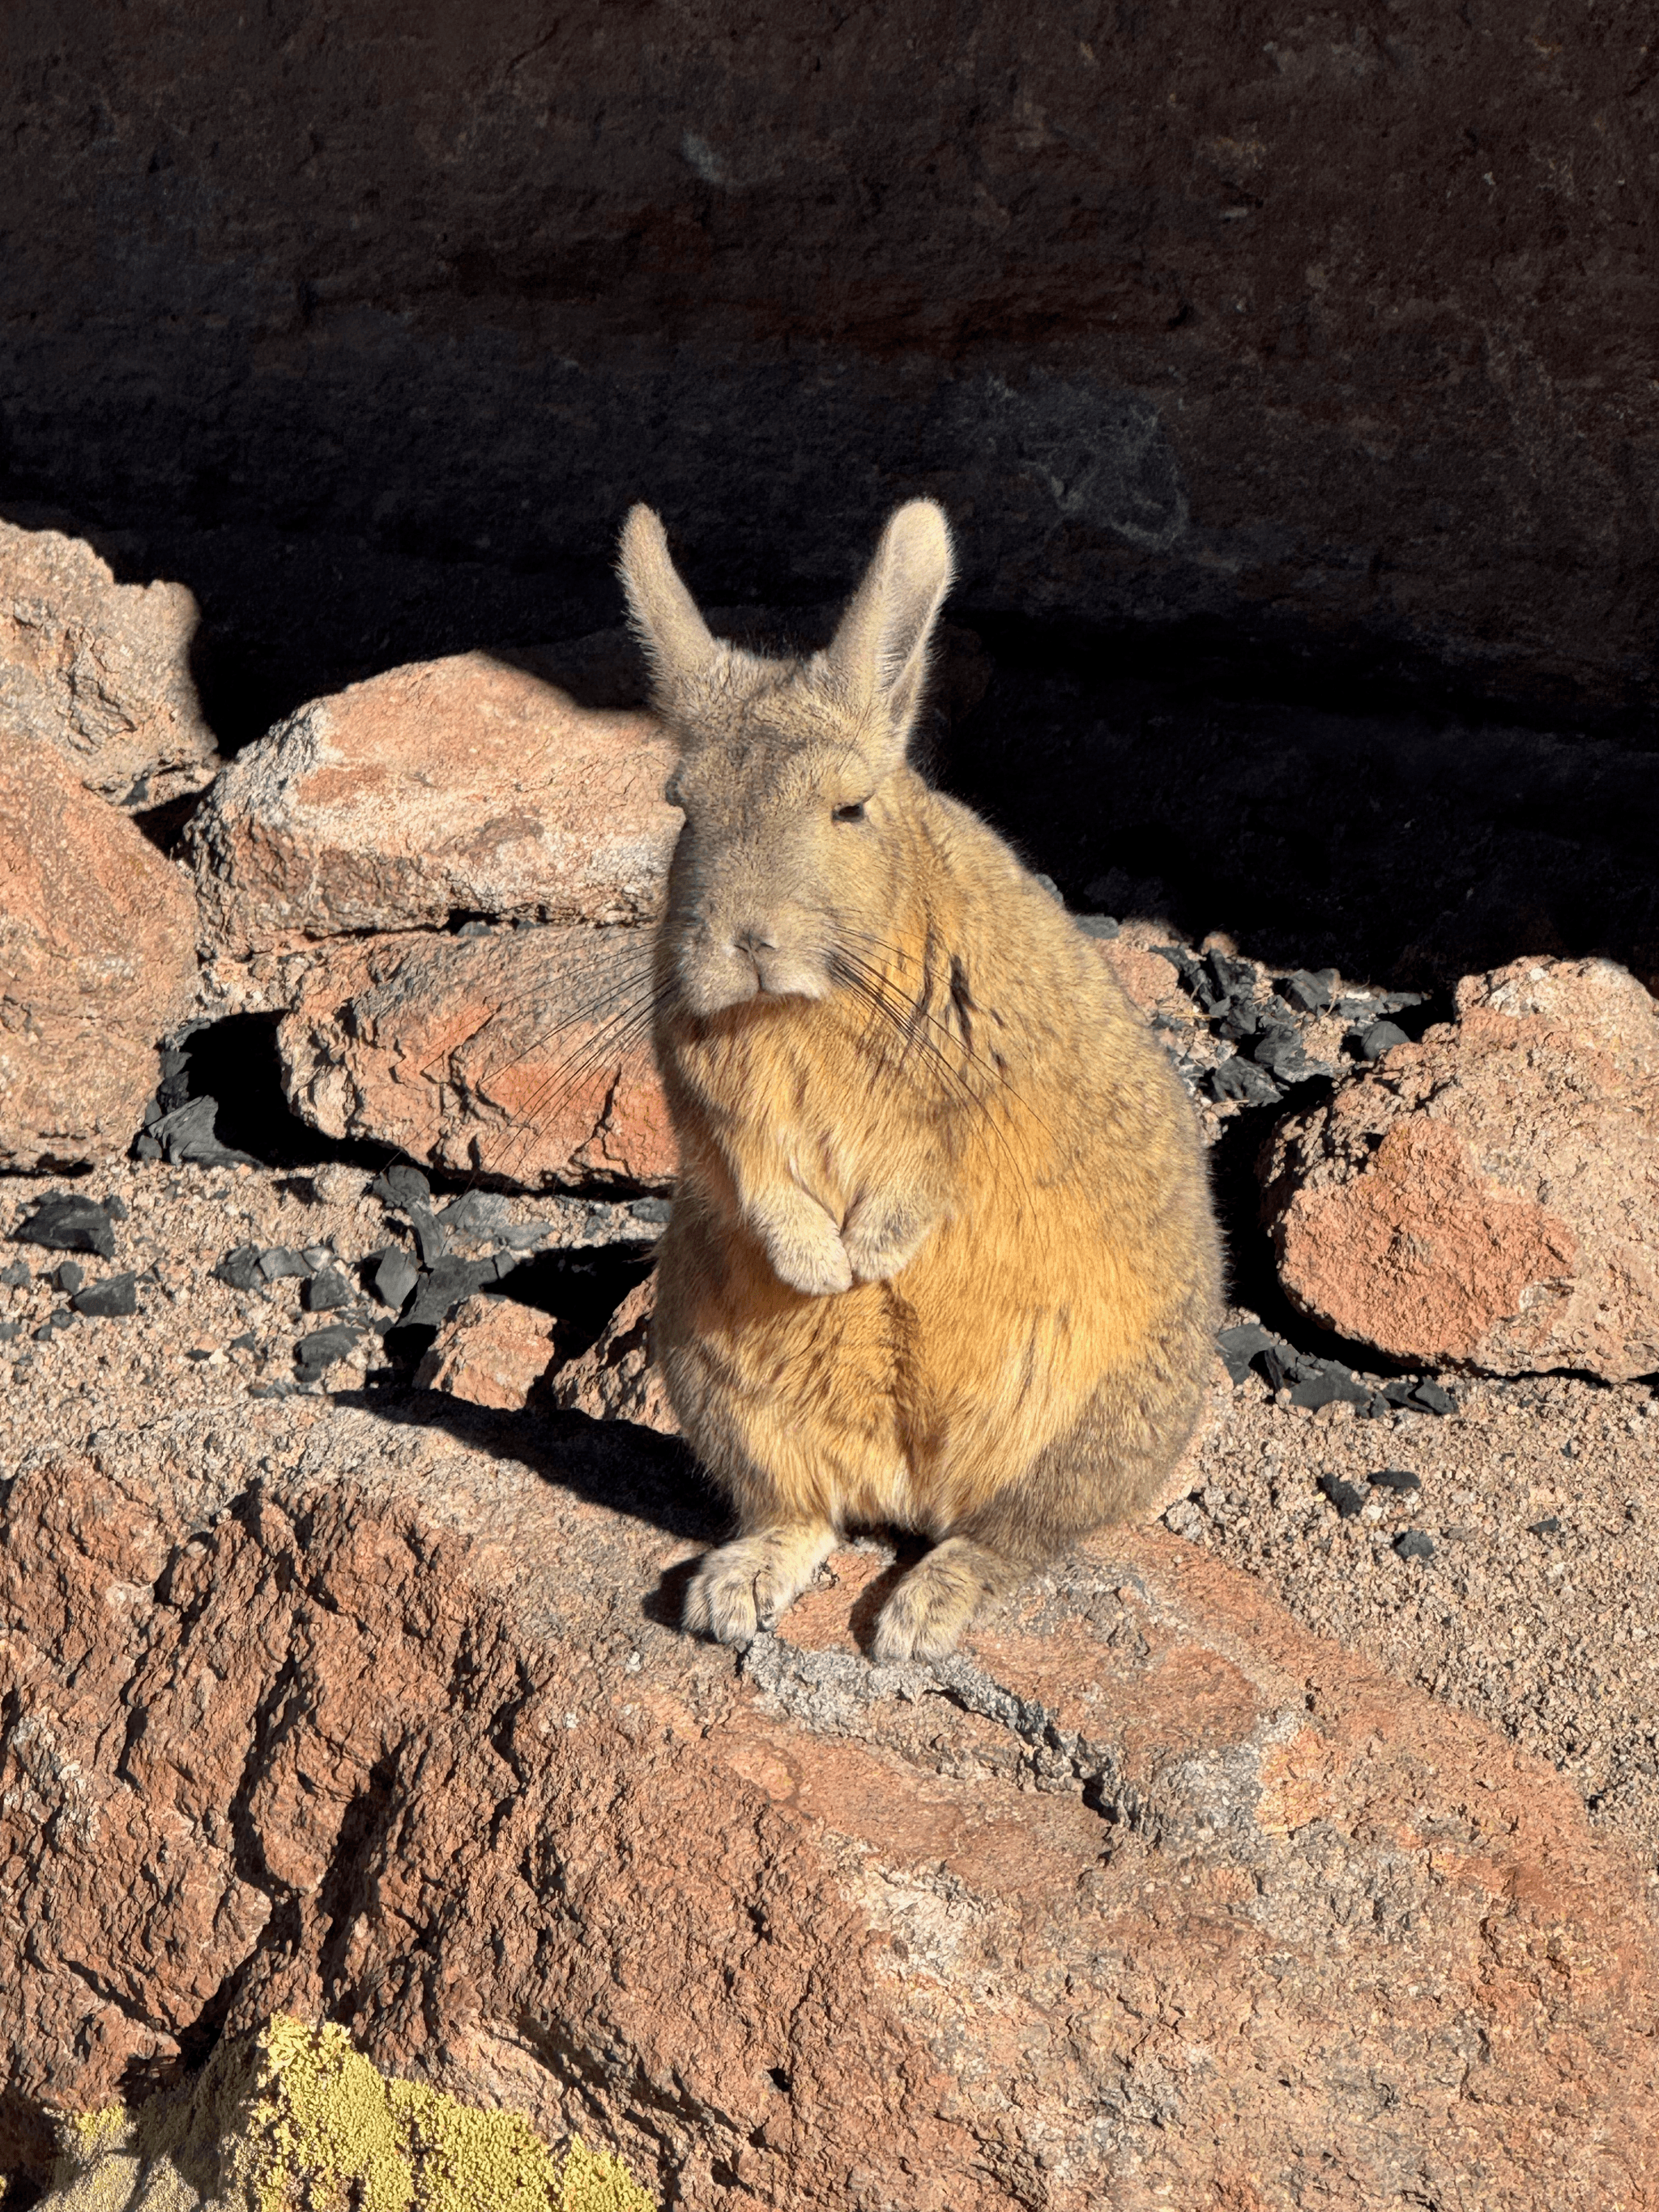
882, 1244
819, 1266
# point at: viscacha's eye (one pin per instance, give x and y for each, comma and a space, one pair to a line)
852, 813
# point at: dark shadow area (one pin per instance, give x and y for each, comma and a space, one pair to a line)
583, 1286
627, 1469
1323, 802
665, 1605
1400, 844
235, 1062
907, 1550
28, 2145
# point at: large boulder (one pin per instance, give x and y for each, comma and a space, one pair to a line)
1489, 1197
464, 788
97, 962
524, 1056
100, 670
1148, 1897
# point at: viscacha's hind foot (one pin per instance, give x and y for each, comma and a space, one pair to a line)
745, 1586
937, 1598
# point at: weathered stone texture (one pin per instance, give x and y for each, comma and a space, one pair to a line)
615, 1379
100, 670
524, 1056
1489, 1196
490, 1352
456, 787
97, 962
1147, 1897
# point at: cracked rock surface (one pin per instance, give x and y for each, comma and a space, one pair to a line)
524, 1055
375, 1709
459, 785
102, 670
95, 962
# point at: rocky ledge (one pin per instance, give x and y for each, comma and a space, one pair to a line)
1146, 1897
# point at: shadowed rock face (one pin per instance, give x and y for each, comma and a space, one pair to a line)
1310, 325
1145, 1897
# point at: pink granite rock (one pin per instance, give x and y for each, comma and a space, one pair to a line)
1489, 1197
522, 1055
97, 962
100, 670
490, 1352
452, 786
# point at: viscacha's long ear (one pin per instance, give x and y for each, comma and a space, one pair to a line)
676, 638
879, 653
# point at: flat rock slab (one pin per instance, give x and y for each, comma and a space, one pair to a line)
97, 962
1148, 1898
100, 670
452, 786
1489, 1196
524, 1056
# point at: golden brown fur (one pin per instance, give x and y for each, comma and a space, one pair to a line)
942, 1252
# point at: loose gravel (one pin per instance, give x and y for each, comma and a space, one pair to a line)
1504, 1556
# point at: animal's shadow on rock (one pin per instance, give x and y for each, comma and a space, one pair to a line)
619, 1465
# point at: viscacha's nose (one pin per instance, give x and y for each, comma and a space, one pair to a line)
753, 940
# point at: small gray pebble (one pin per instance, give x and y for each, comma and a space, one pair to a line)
394, 1277
282, 1260
1381, 1038
325, 1289
115, 1297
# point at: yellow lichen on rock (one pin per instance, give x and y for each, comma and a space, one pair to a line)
294, 2119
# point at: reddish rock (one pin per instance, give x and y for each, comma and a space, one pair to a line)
1148, 1897
97, 962
461, 785
1151, 980
616, 1379
1490, 1196
100, 670
524, 1055
491, 1352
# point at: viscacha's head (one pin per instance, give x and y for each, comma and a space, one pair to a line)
791, 773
